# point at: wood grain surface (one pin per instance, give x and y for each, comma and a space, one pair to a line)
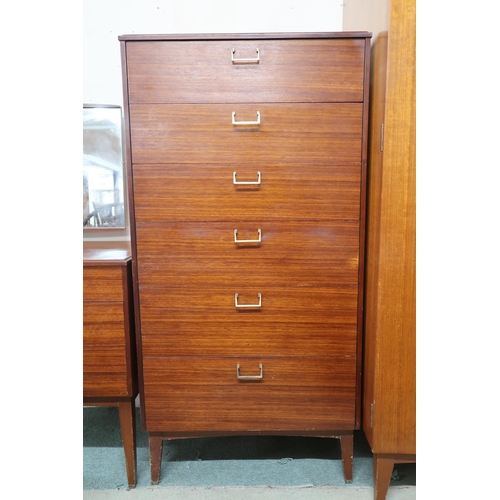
103, 323
102, 283
205, 255
295, 393
288, 133
205, 322
309, 149
390, 361
179, 192
287, 71
105, 372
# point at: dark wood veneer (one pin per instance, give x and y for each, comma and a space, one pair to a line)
306, 320
287, 71
288, 133
245, 36
179, 192
310, 148
105, 372
203, 394
205, 255
103, 324
109, 356
102, 283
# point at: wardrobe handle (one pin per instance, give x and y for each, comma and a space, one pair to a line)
246, 377
258, 240
247, 305
246, 183
256, 122
253, 60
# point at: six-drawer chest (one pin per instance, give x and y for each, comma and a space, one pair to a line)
246, 160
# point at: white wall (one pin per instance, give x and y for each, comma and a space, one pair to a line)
366, 15
105, 20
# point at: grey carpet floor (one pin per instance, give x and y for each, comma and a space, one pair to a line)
235, 461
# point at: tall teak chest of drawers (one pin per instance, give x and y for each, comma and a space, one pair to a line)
246, 159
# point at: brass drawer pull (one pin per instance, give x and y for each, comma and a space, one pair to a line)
257, 122
246, 183
246, 377
253, 60
247, 305
258, 240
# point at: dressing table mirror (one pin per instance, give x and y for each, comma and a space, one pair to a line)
103, 185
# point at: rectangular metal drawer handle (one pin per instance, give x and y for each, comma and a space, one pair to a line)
246, 183
258, 240
247, 305
256, 122
248, 377
253, 60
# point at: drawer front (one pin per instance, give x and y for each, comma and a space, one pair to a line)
287, 133
101, 283
294, 394
105, 372
286, 71
206, 255
165, 193
198, 322
103, 323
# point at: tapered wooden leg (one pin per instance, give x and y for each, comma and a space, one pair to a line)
382, 472
155, 452
347, 448
126, 411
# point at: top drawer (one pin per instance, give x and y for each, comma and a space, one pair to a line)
101, 283
327, 70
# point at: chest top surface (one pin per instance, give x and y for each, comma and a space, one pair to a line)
245, 36
106, 253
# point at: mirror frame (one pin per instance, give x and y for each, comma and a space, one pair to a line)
104, 216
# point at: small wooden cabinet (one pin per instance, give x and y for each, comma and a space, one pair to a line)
246, 169
109, 359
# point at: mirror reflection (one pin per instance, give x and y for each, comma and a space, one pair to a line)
103, 188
